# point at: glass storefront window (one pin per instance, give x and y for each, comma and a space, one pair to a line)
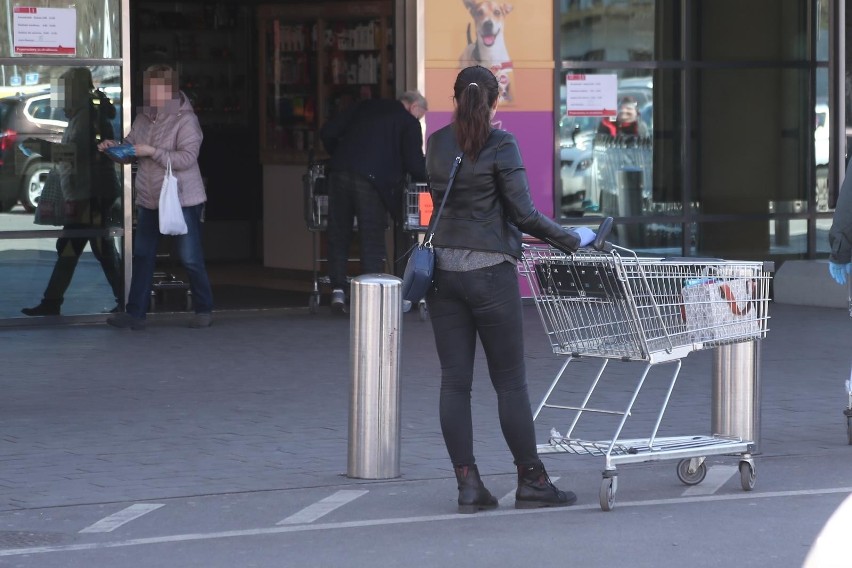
35, 137
757, 30
61, 200
629, 165
755, 133
27, 266
608, 30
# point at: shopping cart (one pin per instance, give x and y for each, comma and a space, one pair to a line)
316, 219
417, 211
612, 304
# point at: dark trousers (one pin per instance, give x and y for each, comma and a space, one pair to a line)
484, 302
145, 241
69, 251
352, 196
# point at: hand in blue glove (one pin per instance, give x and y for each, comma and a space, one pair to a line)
839, 271
586, 235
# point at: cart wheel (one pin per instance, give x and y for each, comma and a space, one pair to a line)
747, 475
424, 315
313, 303
691, 477
189, 300
152, 303
849, 429
607, 496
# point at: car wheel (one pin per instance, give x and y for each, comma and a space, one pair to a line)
33, 184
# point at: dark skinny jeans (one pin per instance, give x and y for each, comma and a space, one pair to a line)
352, 195
486, 302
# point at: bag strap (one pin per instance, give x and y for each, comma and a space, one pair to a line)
437, 217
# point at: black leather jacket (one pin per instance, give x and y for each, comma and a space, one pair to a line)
490, 203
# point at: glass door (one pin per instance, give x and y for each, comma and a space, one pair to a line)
61, 201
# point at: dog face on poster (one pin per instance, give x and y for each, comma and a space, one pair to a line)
488, 47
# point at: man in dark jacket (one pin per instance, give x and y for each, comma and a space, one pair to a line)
372, 146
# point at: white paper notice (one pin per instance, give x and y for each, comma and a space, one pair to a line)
591, 95
45, 31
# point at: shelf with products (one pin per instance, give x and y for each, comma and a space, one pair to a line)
316, 60
207, 42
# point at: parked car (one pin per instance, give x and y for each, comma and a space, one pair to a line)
22, 171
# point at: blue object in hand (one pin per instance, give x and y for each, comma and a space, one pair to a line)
839, 271
123, 153
585, 234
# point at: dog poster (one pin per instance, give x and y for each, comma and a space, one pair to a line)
514, 39
486, 42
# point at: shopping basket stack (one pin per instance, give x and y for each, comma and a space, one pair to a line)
613, 304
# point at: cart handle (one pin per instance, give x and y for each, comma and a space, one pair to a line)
604, 229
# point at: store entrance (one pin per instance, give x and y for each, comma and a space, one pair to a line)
263, 78
211, 46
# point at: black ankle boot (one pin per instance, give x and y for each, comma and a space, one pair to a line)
473, 496
536, 490
45, 308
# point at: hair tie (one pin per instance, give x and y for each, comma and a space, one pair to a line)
473, 85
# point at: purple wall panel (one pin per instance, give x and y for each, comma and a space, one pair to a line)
534, 131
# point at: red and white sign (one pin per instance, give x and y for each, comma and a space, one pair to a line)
591, 95
44, 31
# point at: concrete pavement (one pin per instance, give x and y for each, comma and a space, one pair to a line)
259, 402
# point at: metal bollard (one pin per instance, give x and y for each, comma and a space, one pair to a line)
736, 392
375, 328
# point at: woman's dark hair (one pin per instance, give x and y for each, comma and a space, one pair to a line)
475, 92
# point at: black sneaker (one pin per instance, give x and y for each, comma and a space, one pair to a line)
124, 320
338, 301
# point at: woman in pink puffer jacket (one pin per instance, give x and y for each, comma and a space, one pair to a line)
166, 130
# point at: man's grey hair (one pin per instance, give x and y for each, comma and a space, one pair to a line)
414, 98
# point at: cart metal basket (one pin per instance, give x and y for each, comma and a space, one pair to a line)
616, 305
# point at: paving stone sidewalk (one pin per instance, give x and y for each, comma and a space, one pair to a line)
260, 401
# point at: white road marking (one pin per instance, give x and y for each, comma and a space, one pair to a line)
510, 496
109, 524
194, 537
717, 476
321, 508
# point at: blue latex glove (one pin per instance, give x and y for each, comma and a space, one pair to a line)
586, 235
839, 271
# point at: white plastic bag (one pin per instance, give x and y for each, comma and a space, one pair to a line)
171, 214
717, 309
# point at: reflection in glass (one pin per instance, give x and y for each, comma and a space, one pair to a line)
26, 266
629, 165
81, 191
33, 119
608, 30
649, 239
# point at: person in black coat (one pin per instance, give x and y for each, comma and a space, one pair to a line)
372, 146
